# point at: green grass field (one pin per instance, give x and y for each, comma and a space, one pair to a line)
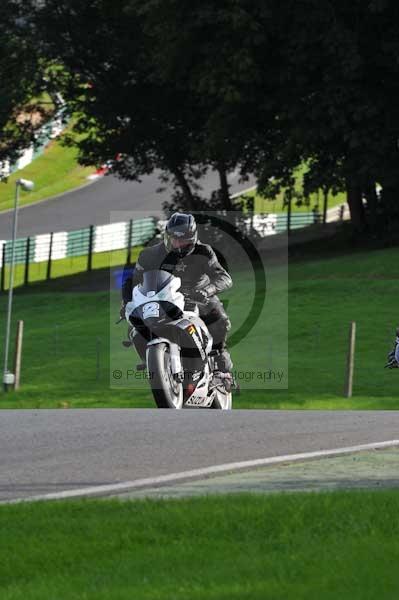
286, 546
64, 267
276, 205
54, 172
64, 329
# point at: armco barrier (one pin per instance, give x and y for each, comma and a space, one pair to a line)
48, 247
86, 242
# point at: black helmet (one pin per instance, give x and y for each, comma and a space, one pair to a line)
181, 234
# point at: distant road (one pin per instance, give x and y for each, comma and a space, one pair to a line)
92, 204
45, 451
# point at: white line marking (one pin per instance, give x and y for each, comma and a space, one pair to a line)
238, 194
234, 174
203, 472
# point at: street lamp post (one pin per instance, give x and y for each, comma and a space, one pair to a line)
8, 377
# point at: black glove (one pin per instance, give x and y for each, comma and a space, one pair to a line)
200, 296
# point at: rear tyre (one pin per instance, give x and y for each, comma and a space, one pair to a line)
167, 392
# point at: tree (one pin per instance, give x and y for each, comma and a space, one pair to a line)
259, 86
340, 113
209, 50
21, 77
152, 83
119, 105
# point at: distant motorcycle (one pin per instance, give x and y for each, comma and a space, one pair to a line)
179, 357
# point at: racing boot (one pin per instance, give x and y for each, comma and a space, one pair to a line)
224, 366
140, 343
130, 333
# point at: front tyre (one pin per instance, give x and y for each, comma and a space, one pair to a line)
167, 392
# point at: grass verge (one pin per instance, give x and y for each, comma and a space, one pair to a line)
276, 205
65, 267
69, 337
300, 546
54, 172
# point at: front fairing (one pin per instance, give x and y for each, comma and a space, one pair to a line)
168, 293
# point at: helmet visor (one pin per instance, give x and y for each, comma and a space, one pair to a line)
181, 243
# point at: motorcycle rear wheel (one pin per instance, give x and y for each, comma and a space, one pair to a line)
167, 392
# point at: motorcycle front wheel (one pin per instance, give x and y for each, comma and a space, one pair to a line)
167, 392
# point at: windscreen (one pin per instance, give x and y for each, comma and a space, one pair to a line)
155, 281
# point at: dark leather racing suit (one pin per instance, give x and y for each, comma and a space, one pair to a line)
198, 270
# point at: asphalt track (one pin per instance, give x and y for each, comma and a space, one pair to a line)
92, 204
47, 451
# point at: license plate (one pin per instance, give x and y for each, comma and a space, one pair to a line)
197, 400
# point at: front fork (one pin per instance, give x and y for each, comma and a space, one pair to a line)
175, 360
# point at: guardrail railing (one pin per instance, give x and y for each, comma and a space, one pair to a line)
36, 255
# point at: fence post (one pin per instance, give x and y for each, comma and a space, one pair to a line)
56, 328
129, 243
50, 252
98, 347
350, 361
289, 215
27, 257
325, 206
3, 267
90, 255
18, 354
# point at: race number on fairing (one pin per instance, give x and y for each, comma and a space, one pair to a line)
151, 310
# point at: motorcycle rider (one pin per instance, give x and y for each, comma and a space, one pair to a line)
202, 278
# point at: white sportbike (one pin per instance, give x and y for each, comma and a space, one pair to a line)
180, 361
